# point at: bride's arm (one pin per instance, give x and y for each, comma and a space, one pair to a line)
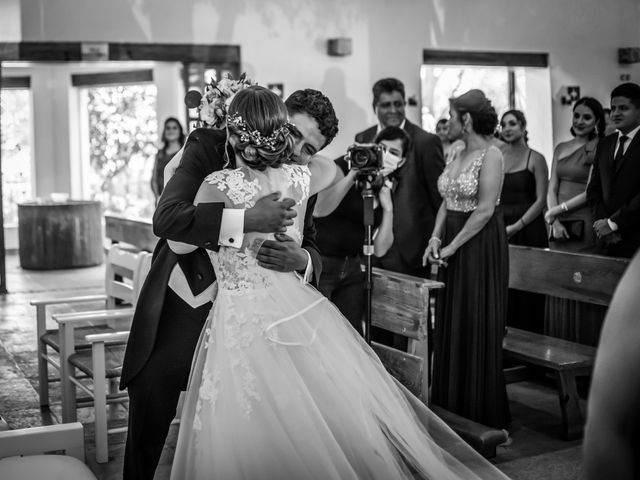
324, 173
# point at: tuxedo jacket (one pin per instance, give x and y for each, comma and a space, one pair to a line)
415, 200
614, 192
176, 218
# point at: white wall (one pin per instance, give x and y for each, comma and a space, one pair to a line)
285, 40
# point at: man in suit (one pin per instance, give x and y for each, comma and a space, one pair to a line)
176, 297
614, 189
416, 198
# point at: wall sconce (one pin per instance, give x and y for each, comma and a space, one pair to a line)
569, 94
339, 47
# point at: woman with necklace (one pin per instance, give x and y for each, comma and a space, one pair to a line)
523, 198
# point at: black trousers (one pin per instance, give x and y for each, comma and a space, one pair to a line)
154, 392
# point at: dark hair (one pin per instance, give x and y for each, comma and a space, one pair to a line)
319, 107
484, 118
262, 111
395, 133
596, 107
386, 85
442, 120
628, 90
520, 118
181, 138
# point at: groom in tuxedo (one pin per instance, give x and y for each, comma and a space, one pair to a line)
176, 297
614, 189
416, 198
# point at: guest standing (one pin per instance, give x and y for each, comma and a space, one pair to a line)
524, 194
469, 239
614, 190
173, 138
570, 220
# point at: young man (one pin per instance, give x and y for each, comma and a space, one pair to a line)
614, 189
176, 298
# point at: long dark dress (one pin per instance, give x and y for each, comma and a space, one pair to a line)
525, 310
471, 310
569, 319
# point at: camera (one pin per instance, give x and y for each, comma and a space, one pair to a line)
365, 157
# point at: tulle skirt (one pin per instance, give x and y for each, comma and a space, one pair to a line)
282, 387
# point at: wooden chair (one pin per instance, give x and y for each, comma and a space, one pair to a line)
121, 268
27, 453
401, 304
587, 278
91, 369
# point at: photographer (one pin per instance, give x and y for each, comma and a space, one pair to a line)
339, 215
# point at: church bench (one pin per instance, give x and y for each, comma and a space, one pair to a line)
401, 304
582, 277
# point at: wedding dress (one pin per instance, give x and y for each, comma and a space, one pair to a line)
282, 387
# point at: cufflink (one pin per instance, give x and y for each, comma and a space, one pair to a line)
231, 240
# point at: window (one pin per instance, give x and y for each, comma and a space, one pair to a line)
120, 138
509, 80
16, 131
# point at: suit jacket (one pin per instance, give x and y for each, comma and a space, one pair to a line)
176, 218
614, 192
415, 200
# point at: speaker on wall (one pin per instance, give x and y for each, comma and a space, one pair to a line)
339, 47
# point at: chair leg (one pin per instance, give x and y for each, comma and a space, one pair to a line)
43, 375
113, 390
572, 420
69, 413
100, 403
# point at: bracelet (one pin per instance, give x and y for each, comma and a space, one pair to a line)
563, 206
522, 221
435, 238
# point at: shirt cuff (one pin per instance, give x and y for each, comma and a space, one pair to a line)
232, 228
306, 277
612, 225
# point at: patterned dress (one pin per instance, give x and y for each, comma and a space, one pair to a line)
471, 309
282, 387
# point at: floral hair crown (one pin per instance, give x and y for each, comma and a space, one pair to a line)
254, 137
212, 106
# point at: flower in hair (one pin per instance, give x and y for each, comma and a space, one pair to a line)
254, 137
212, 109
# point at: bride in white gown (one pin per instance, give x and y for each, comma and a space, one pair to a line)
281, 386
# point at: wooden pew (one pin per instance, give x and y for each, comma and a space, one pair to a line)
133, 231
587, 278
400, 304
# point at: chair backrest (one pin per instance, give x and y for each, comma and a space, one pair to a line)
400, 304
576, 276
124, 275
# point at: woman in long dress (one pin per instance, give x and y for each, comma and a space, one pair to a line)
570, 219
524, 196
282, 387
469, 239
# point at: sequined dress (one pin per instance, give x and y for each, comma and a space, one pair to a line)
471, 310
282, 387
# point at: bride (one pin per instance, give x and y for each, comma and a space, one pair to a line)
281, 386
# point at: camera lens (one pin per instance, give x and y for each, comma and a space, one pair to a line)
361, 158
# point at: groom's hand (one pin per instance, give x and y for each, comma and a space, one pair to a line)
282, 255
270, 215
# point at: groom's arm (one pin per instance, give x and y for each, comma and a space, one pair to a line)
176, 217
309, 239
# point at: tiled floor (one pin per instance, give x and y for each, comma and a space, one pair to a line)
537, 452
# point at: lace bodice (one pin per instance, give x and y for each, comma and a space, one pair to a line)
237, 270
461, 193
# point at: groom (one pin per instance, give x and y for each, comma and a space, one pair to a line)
175, 299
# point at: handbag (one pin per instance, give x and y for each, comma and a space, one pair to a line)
575, 229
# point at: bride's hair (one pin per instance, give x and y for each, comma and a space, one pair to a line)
258, 123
